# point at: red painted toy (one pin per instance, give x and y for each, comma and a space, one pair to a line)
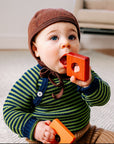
65, 135
78, 65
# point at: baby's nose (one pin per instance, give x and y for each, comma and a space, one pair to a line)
67, 45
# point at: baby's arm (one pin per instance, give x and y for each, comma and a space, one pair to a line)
44, 133
17, 109
94, 91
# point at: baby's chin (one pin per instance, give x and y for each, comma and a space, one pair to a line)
61, 71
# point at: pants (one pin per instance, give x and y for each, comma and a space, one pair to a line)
91, 135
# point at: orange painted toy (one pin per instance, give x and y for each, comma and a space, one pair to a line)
65, 135
78, 65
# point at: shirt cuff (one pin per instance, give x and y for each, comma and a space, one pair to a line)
91, 88
28, 129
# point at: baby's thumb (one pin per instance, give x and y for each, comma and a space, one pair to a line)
48, 122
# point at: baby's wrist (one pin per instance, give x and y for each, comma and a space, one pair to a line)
87, 83
93, 86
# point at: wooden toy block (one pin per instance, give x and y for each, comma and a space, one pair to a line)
65, 135
81, 71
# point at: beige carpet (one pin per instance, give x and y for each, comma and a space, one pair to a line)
14, 63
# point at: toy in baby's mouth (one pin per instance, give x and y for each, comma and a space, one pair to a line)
63, 134
78, 66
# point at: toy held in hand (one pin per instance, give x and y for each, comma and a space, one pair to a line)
78, 66
65, 136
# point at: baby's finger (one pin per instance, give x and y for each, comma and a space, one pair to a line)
73, 79
76, 69
48, 137
49, 133
47, 122
52, 131
51, 137
76, 81
45, 142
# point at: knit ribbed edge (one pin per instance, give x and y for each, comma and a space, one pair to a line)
91, 88
28, 129
59, 19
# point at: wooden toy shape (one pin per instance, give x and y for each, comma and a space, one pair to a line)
65, 135
82, 63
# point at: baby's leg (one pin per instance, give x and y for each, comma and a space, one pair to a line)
106, 137
97, 135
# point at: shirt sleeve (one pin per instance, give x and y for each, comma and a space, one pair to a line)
97, 93
17, 109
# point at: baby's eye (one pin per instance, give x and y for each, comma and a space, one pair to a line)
72, 37
54, 38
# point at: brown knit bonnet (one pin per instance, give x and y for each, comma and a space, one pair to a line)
41, 20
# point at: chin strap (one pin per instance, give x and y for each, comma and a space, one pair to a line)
48, 73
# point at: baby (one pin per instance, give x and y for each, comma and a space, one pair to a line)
45, 92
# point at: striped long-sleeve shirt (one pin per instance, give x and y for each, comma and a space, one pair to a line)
72, 109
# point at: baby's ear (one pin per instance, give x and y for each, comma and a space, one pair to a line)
35, 49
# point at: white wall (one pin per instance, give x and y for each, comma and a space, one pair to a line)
92, 41
15, 16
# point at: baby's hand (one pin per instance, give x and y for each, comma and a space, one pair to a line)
44, 133
79, 82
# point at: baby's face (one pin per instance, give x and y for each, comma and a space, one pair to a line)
54, 42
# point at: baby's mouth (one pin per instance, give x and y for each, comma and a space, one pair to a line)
63, 60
